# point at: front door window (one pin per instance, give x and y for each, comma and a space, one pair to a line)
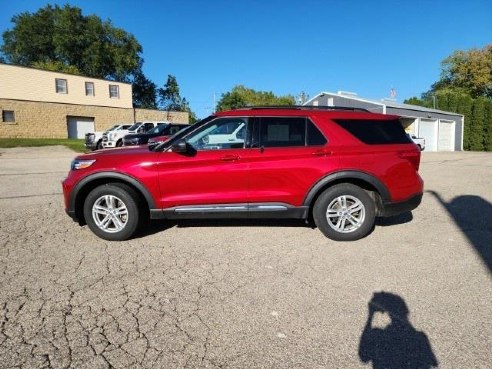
219, 134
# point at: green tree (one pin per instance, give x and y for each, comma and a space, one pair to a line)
488, 125
469, 71
56, 66
169, 96
144, 92
62, 37
465, 87
240, 97
170, 99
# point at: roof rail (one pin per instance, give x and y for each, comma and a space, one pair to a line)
304, 107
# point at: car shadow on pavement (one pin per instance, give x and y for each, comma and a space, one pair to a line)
156, 226
473, 215
153, 227
185, 223
402, 218
389, 340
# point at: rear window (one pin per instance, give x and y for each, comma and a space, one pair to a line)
375, 132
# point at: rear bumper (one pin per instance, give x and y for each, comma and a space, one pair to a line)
394, 208
71, 214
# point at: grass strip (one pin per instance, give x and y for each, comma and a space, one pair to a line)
75, 145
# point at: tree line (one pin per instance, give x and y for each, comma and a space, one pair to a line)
465, 87
63, 39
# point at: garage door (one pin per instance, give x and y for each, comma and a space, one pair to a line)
428, 130
78, 126
446, 135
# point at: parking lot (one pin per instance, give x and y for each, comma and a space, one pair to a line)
246, 294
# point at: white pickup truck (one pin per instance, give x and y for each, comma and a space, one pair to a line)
93, 141
420, 142
115, 138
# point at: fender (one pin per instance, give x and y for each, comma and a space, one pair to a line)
109, 175
349, 174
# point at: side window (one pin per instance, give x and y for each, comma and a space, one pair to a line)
219, 134
148, 126
314, 136
174, 129
282, 132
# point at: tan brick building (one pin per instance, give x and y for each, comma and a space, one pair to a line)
43, 104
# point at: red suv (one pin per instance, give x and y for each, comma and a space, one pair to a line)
341, 167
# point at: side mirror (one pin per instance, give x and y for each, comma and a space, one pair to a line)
180, 146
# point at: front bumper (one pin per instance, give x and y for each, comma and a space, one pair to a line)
107, 144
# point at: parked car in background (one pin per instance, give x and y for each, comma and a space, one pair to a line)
341, 167
420, 142
93, 141
161, 130
115, 139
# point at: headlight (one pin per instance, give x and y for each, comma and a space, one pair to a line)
81, 164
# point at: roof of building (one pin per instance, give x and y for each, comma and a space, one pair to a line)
384, 102
65, 73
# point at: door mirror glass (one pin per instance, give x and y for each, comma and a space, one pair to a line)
180, 146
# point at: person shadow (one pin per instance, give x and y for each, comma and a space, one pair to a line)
398, 345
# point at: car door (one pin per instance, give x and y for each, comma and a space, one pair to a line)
212, 172
291, 154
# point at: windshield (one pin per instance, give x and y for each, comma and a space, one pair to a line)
113, 128
178, 135
135, 126
159, 129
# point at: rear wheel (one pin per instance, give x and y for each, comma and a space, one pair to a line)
344, 212
112, 212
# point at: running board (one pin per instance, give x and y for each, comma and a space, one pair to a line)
263, 210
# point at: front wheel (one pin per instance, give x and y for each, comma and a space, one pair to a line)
99, 145
111, 212
119, 143
344, 212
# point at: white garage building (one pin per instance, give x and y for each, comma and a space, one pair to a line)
443, 131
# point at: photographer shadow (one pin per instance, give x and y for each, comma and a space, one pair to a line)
398, 344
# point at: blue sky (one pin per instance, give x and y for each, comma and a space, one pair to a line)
290, 46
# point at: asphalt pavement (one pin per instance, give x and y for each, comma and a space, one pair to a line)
416, 293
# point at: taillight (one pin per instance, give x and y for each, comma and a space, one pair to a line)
412, 156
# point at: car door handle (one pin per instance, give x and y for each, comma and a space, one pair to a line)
322, 152
230, 158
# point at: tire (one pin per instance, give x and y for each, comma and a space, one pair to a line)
420, 148
99, 145
108, 198
344, 225
119, 143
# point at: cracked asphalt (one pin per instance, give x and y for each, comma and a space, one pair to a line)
236, 294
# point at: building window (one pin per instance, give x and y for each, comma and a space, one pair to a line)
89, 89
8, 116
114, 91
61, 86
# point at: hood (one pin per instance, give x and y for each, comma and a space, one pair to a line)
116, 152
